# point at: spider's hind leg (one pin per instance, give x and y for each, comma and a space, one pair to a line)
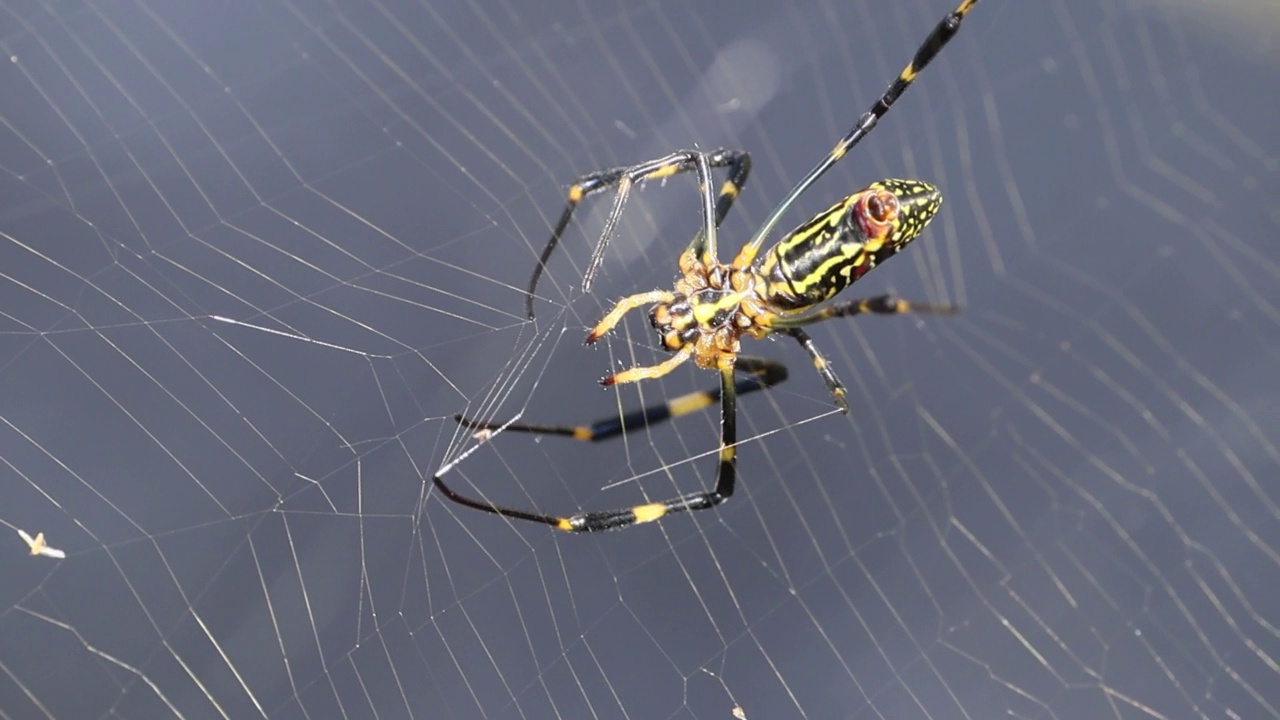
754, 374
762, 374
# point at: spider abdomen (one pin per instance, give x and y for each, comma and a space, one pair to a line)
830, 252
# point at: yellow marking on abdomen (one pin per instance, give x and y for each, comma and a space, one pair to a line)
821, 275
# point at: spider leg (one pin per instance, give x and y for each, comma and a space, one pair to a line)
834, 386
878, 305
703, 244
928, 50
738, 162
624, 306
649, 372
754, 374
595, 521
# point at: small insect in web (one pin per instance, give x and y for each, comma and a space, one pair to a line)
714, 304
38, 546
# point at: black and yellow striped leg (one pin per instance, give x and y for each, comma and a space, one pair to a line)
726, 478
759, 374
942, 33
737, 161
753, 374
928, 50
879, 305
834, 386
704, 243
461, 499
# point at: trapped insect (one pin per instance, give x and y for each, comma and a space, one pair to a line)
714, 304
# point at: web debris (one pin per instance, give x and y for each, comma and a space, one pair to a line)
39, 547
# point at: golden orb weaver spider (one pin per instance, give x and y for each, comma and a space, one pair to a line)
714, 304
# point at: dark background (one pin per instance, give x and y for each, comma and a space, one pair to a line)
254, 257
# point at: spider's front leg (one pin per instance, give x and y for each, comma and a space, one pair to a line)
738, 163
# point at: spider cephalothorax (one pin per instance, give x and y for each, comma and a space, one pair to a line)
711, 308
713, 304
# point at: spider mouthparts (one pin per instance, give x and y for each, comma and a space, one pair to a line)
592, 337
608, 380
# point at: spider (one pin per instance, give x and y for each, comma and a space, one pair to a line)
713, 304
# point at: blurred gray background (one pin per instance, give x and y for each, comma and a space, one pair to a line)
255, 257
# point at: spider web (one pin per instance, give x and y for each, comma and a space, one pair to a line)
255, 259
